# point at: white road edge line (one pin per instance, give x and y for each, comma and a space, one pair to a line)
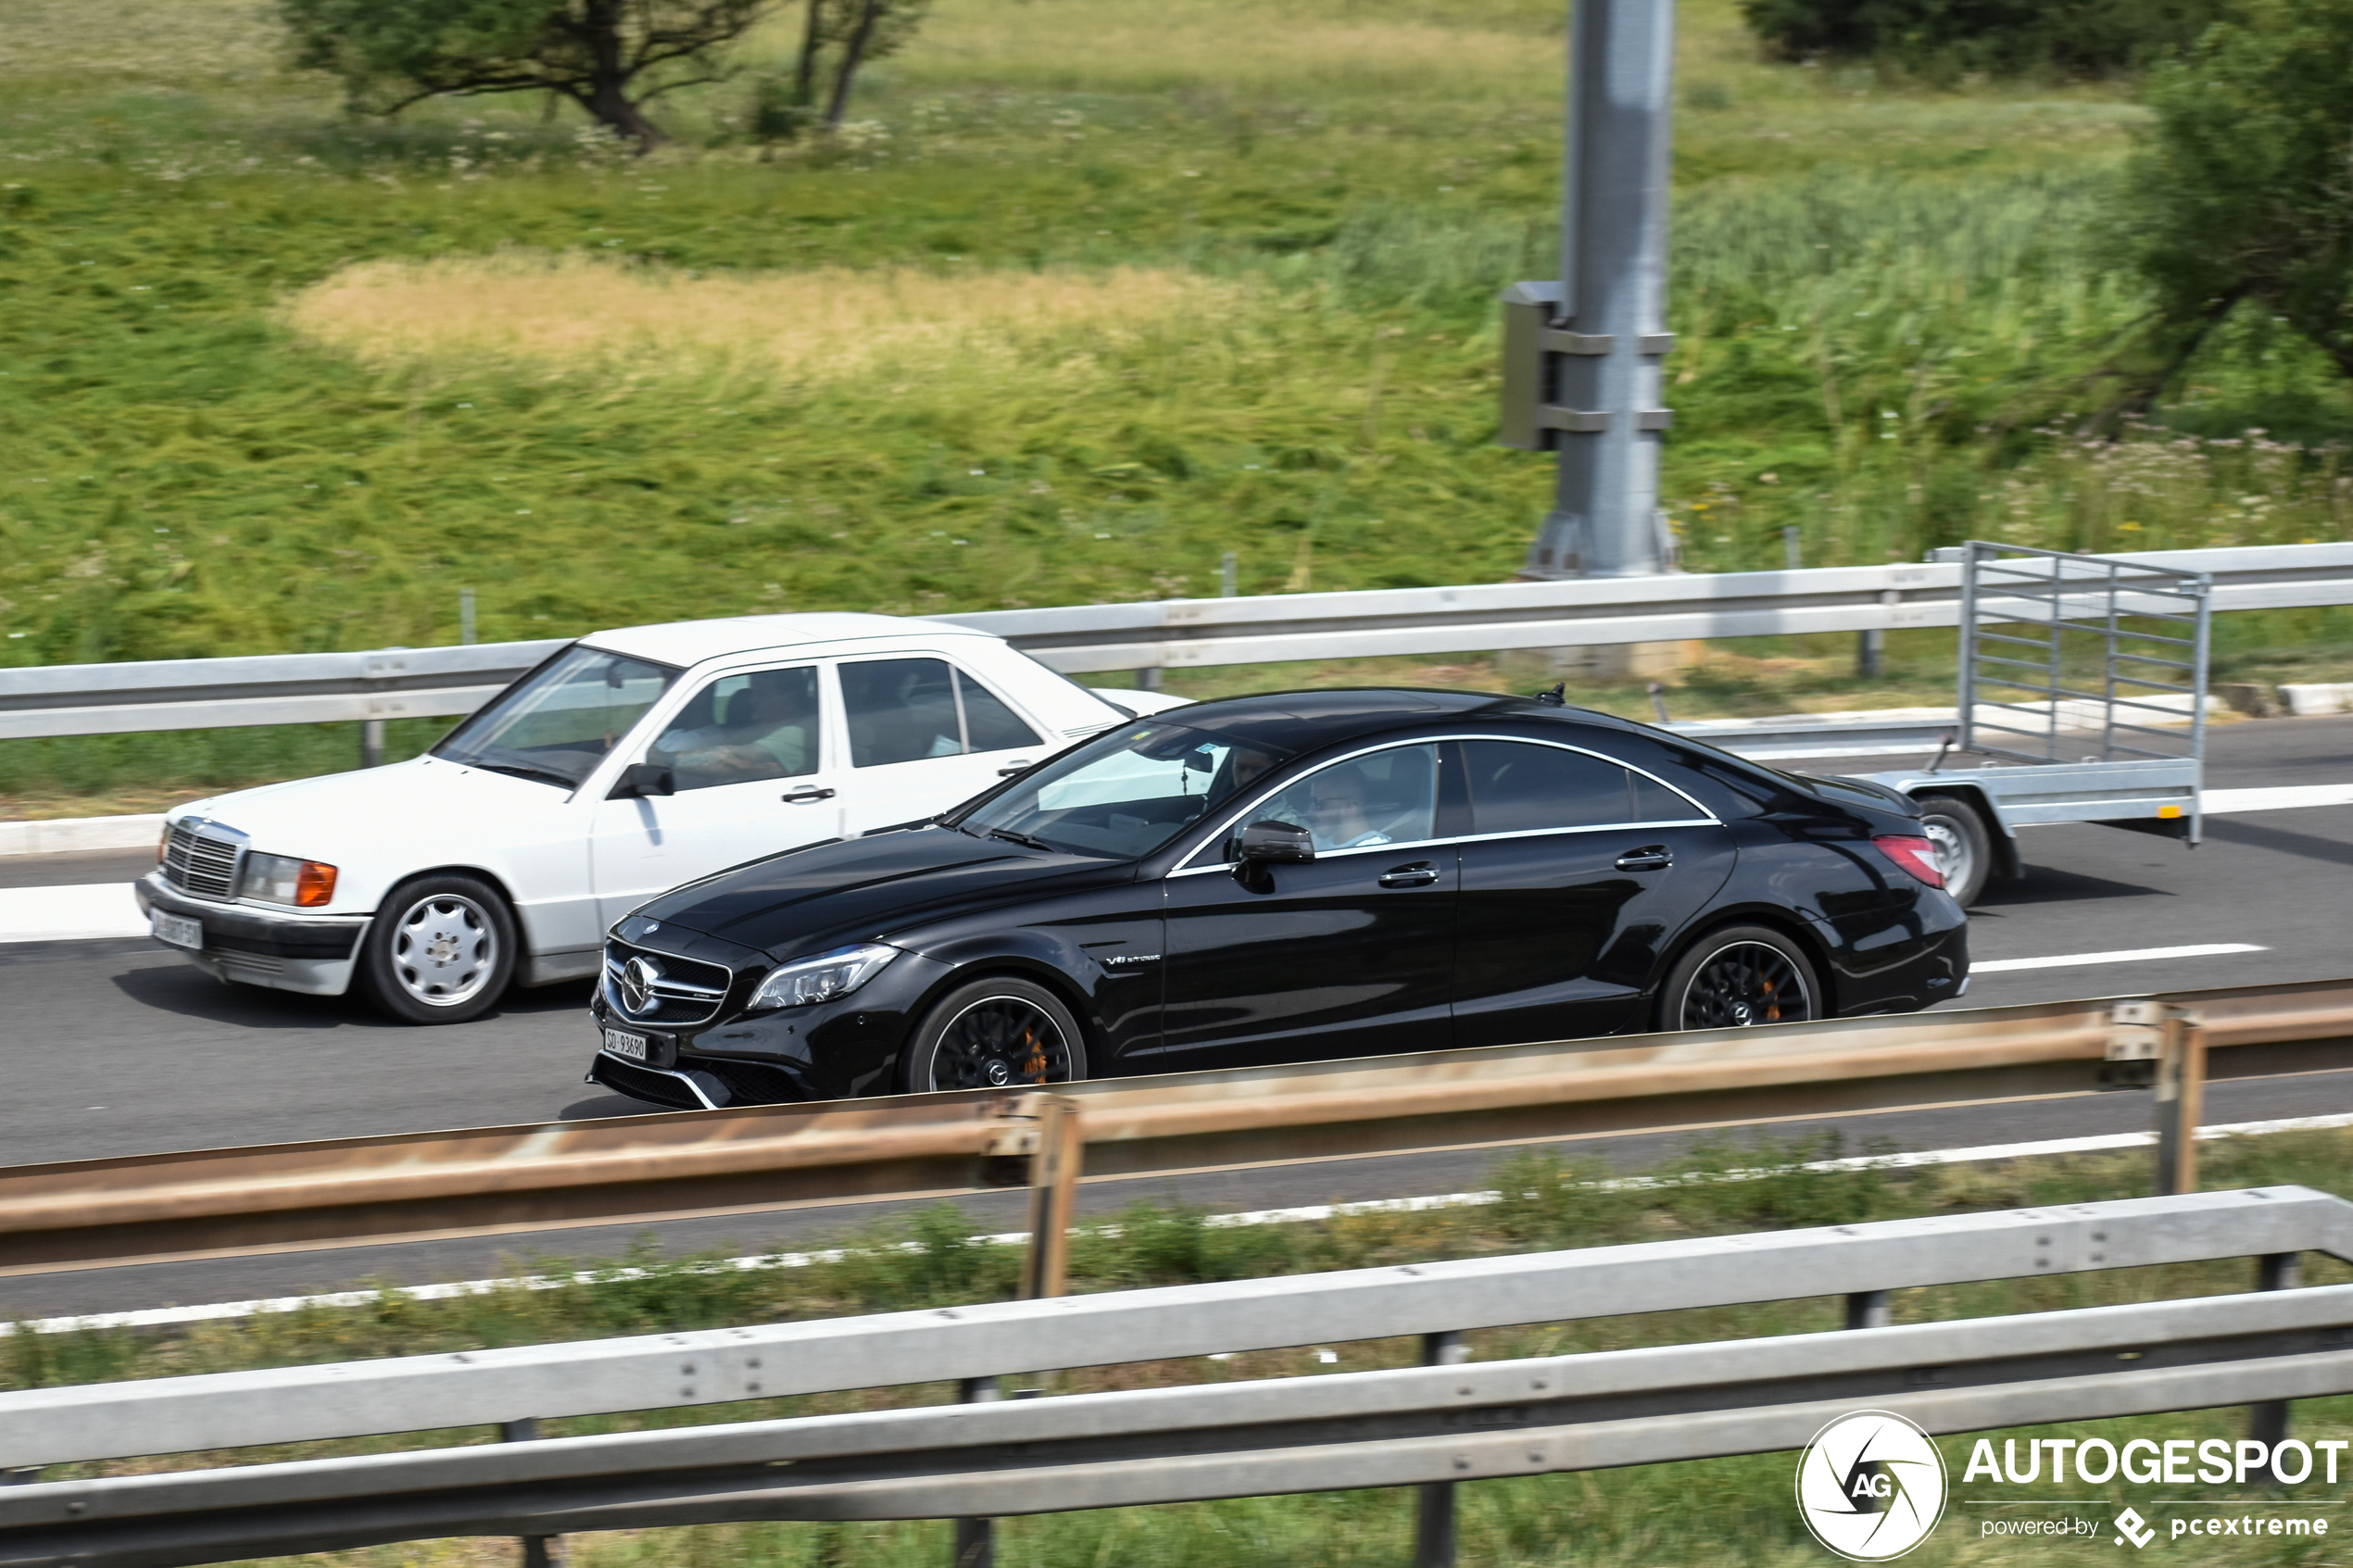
2122, 955
158, 1317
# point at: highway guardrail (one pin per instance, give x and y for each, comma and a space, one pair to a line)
673, 1164
74, 699
1431, 1427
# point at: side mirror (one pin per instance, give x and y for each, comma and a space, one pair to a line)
1268, 843
641, 779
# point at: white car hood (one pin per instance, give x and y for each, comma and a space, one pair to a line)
420, 800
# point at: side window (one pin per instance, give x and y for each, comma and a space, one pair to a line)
989, 725
1387, 798
1519, 788
905, 709
741, 728
1654, 802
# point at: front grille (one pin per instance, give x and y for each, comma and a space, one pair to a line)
750, 1082
644, 1083
200, 863
687, 992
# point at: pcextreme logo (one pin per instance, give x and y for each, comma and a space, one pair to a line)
1871, 1485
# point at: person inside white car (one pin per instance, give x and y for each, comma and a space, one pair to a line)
765, 728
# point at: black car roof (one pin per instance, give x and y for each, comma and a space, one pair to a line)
1313, 720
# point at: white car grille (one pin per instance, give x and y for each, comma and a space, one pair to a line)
200, 862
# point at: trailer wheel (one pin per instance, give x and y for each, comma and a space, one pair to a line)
1964, 847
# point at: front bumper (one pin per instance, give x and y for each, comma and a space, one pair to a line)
832, 1050
285, 949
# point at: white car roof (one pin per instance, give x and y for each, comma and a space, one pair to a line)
688, 643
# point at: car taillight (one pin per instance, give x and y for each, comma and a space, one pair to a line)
1917, 856
315, 884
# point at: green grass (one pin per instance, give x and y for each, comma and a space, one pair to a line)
1884, 295
1728, 1510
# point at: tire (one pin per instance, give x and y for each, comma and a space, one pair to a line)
440, 950
1964, 847
991, 1034
1739, 977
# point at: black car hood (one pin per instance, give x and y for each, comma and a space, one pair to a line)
863, 889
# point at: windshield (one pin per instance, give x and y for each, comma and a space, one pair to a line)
1125, 793
557, 723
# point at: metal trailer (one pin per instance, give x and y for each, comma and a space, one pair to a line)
2070, 667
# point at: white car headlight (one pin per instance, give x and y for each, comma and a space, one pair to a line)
282, 879
821, 979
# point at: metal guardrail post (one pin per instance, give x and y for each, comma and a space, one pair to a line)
1434, 1520
1869, 1309
372, 743
1054, 1191
2180, 1098
976, 1539
2267, 1422
539, 1552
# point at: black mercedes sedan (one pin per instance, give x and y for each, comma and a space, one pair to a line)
1286, 878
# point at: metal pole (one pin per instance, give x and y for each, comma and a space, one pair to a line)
1790, 558
1434, 1524
2267, 1422
465, 615
2181, 1099
1869, 1309
1228, 576
1965, 739
372, 743
539, 1552
1604, 520
1871, 647
976, 1539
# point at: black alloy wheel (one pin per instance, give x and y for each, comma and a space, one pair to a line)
994, 1034
1737, 978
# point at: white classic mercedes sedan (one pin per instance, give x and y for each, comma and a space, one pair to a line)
628, 763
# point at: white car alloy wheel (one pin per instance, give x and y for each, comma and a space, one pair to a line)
444, 949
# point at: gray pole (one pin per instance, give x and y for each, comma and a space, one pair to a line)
1606, 382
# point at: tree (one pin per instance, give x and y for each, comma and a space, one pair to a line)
2243, 191
610, 57
853, 32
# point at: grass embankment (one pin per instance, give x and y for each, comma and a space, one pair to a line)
248, 399
1716, 1512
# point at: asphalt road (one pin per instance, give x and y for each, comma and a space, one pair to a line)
120, 1048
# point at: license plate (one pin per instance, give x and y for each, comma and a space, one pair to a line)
622, 1043
178, 930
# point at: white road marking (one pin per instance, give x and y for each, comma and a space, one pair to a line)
2123, 955
2275, 797
163, 1316
79, 912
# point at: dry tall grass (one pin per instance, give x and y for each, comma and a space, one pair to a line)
572, 312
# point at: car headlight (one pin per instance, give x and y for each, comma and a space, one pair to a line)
282, 879
821, 979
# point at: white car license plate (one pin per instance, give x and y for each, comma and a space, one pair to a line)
622, 1043
178, 930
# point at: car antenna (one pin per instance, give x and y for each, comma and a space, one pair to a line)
1556, 698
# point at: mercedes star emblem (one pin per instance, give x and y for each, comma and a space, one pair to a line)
638, 977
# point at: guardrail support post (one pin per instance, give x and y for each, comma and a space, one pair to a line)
1434, 1522
2267, 1422
976, 1539
1054, 1191
372, 743
1869, 1309
539, 1552
2181, 1099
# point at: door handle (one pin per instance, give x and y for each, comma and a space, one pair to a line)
807, 795
1018, 765
1649, 858
1409, 876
